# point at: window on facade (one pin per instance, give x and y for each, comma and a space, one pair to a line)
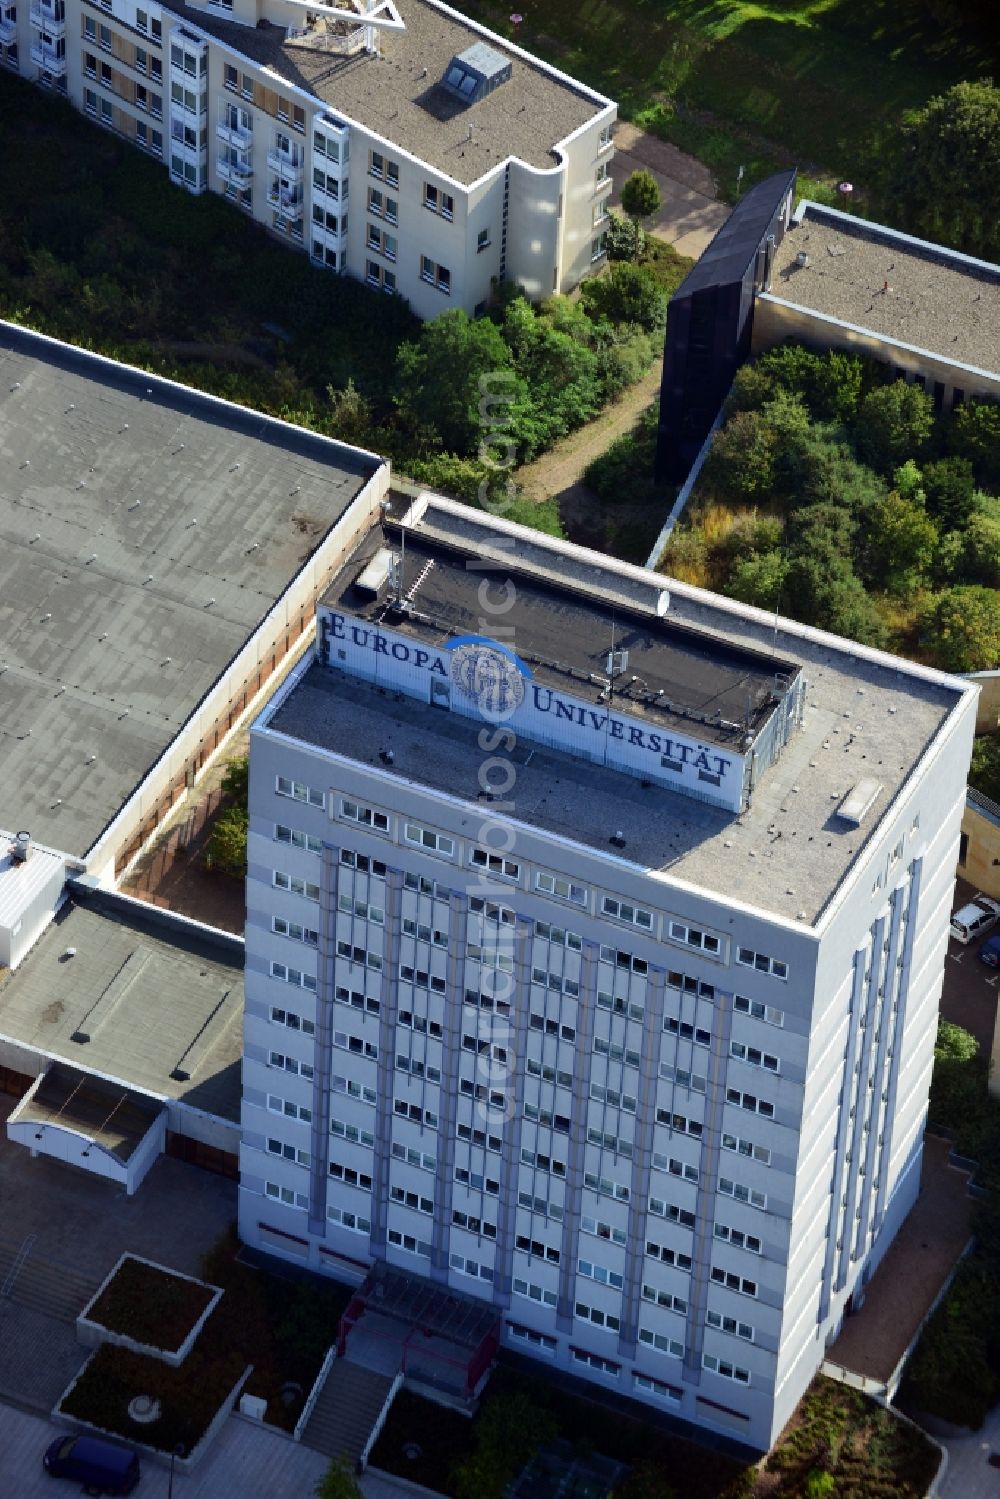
435, 275
748, 958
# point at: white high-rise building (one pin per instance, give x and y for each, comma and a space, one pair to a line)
594, 944
401, 143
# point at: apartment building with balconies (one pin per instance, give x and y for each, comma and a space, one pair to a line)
595, 935
472, 162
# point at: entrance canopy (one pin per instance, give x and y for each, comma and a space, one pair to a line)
86, 1121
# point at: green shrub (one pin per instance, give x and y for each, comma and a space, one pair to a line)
819, 1484
627, 294
508, 1433
226, 848
962, 627
893, 423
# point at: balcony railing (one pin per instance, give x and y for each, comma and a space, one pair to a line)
333, 237
45, 16
235, 135
287, 166
288, 202
604, 185
235, 171
47, 58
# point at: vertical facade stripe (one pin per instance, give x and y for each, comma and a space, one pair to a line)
513, 1112
583, 1062
388, 1006
642, 1157
323, 1053
451, 1051
902, 999
708, 1175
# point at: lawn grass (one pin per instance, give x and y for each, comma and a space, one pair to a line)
821, 80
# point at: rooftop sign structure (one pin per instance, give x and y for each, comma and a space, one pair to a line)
625, 687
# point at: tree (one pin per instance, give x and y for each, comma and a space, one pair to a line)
962, 628
974, 433
834, 387
788, 420
443, 376
949, 488
226, 848
759, 580
902, 544
507, 1434
941, 177
561, 372
338, 1482
640, 198
740, 463
829, 473
627, 294
954, 1044
981, 553
893, 424
236, 781
984, 772
350, 414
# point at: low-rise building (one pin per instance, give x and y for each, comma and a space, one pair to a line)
162, 552
832, 281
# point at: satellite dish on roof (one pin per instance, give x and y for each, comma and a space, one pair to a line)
663, 602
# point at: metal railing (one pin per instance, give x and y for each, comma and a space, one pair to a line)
314, 1393
17, 1266
47, 58
380, 1421
327, 41
984, 804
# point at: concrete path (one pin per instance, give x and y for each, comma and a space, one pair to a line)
246, 1462
969, 1475
690, 213
561, 468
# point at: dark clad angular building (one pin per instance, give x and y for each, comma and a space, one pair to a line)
711, 318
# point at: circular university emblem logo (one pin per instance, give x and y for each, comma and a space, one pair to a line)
489, 678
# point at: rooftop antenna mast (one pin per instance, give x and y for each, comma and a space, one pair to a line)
402, 565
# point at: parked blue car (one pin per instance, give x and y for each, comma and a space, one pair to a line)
101, 1467
990, 952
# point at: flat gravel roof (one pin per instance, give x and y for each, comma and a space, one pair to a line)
150, 1001
936, 301
145, 533
398, 95
683, 679
866, 715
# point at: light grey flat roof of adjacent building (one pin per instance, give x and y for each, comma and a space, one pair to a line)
398, 94
145, 999
938, 300
145, 533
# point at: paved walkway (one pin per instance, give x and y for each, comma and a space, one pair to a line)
246, 1462
690, 213
915, 1267
969, 1475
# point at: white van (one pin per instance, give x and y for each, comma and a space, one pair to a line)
974, 919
